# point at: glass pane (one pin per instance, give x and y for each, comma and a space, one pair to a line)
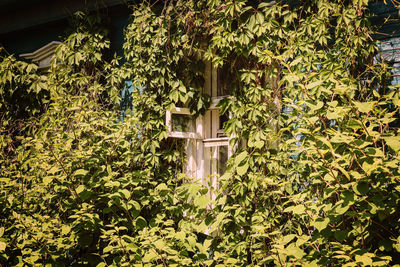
222, 119
182, 123
225, 80
222, 159
215, 160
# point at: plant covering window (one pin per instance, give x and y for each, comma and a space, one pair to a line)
207, 146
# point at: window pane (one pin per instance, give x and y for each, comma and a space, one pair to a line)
222, 119
182, 123
222, 159
215, 160
225, 80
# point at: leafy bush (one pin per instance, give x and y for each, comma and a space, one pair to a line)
314, 179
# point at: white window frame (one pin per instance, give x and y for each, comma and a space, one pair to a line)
178, 134
215, 100
42, 56
214, 142
202, 159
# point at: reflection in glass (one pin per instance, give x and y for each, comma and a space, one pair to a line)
182, 123
216, 159
222, 159
225, 80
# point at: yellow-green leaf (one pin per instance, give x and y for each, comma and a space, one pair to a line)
241, 170
65, 229
393, 142
364, 107
201, 202
3, 246
320, 223
239, 158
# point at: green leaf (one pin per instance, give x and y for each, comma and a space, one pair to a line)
241, 170
140, 222
314, 106
354, 124
3, 246
149, 256
80, 172
329, 177
108, 249
332, 115
287, 238
259, 144
293, 250
313, 84
320, 223
162, 187
80, 189
341, 209
364, 259
361, 188
180, 236
125, 193
207, 243
239, 158
192, 241
159, 244
65, 229
201, 202
364, 107
393, 142
299, 209
340, 235
396, 245
47, 180
53, 170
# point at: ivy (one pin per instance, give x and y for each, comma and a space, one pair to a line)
314, 179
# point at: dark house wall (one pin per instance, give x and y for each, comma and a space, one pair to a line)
26, 25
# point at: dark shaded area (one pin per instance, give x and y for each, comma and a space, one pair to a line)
27, 25
386, 15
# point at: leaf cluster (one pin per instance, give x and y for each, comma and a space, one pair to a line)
314, 179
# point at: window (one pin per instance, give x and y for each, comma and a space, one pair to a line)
181, 124
390, 52
208, 147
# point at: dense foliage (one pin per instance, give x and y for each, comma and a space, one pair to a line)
314, 179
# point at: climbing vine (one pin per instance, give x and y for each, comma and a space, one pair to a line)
314, 179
